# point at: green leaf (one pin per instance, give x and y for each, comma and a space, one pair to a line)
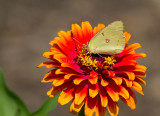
47, 107
81, 113
10, 103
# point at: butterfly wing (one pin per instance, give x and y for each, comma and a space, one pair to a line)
110, 40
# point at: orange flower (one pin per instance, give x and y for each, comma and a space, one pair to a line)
88, 79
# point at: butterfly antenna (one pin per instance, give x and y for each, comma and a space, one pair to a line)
100, 55
75, 39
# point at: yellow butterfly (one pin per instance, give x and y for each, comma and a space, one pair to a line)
110, 40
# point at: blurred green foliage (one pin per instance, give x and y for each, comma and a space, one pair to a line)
12, 105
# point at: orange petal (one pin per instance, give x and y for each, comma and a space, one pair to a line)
57, 41
129, 49
104, 82
59, 71
131, 101
100, 110
81, 93
98, 28
113, 108
87, 31
93, 90
128, 82
130, 75
112, 94
77, 33
65, 71
73, 66
139, 74
66, 96
140, 68
111, 73
125, 62
137, 87
67, 40
62, 43
140, 80
123, 92
103, 97
93, 77
53, 91
61, 58
117, 80
67, 76
127, 36
58, 81
74, 108
50, 76
140, 55
133, 47
48, 54
49, 64
90, 106
77, 81
56, 50
63, 37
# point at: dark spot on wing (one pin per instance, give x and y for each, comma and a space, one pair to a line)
107, 40
103, 34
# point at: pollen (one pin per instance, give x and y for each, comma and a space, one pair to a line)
109, 62
93, 63
88, 62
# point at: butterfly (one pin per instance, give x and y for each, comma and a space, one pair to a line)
109, 41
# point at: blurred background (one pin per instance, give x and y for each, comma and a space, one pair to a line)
27, 26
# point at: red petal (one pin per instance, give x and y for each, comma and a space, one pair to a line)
50, 76
50, 64
140, 80
65, 70
59, 81
77, 81
66, 95
129, 49
113, 108
114, 95
74, 108
93, 90
77, 34
63, 41
100, 110
104, 82
103, 97
90, 106
128, 82
117, 80
81, 93
93, 77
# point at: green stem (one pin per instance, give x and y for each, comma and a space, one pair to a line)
81, 113
47, 107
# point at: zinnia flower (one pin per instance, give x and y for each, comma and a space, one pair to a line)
88, 79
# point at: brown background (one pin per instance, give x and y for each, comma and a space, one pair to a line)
27, 26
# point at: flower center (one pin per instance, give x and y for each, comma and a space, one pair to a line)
95, 62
